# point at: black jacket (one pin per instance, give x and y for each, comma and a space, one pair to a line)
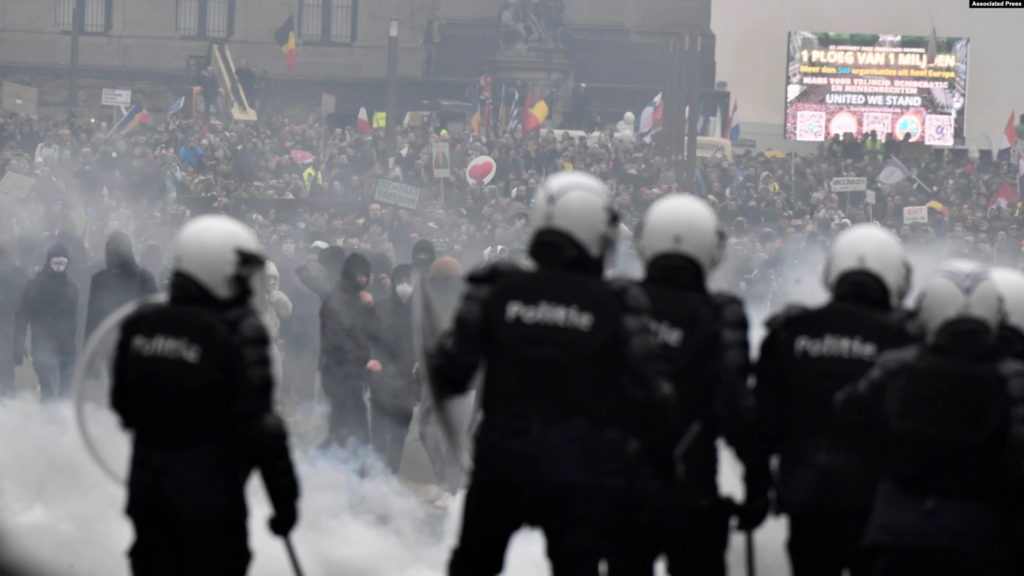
702, 343
119, 283
396, 389
49, 304
347, 329
192, 380
941, 427
807, 357
565, 374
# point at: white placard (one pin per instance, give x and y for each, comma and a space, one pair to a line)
16, 185
869, 197
915, 215
397, 193
848, 184
114, 97
442, 160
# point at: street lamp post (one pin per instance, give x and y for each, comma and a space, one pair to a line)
392, 90
77, 19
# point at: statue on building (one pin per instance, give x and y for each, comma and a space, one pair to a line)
526, 23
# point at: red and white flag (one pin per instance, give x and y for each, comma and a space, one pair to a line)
363, 122
1009, 138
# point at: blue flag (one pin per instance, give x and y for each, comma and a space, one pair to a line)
178, 105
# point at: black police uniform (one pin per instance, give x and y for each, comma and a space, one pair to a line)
192, 380
938, 416
557, 344
826, 479
1011, 346
701, 341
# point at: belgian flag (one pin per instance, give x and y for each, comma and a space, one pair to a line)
539, 113
285, 37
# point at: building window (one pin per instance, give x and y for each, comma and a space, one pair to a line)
206, 18
97, 15
328, 21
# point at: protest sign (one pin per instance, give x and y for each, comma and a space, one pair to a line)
16, 186
915, 215
113, 97
441, 153
847, 184
397, 193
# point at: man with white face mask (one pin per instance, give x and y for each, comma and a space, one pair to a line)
49, 304
394, 391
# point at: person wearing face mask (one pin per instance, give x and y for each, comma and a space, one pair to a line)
423, 255
49, 304
348, 325
394, 392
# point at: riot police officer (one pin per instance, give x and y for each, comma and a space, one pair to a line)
826, 479
192, 380
562, 352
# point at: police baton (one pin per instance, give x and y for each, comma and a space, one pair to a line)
751, 559
291, 556
748, 536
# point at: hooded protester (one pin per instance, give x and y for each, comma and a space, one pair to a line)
49, 304
122, 281
12, 282
348, 324
394, 394
423, 255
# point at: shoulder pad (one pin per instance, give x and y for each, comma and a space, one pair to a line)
788, 313
631, 294
494, 272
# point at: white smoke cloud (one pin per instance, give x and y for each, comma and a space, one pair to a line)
62, 516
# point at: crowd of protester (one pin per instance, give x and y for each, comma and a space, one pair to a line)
112, 202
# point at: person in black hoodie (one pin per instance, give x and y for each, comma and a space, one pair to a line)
119, 283
394, 392
12, 283
423, 255
348, 324
49, 304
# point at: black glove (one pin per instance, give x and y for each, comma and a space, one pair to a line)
284, 521
18, 356
753, 512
